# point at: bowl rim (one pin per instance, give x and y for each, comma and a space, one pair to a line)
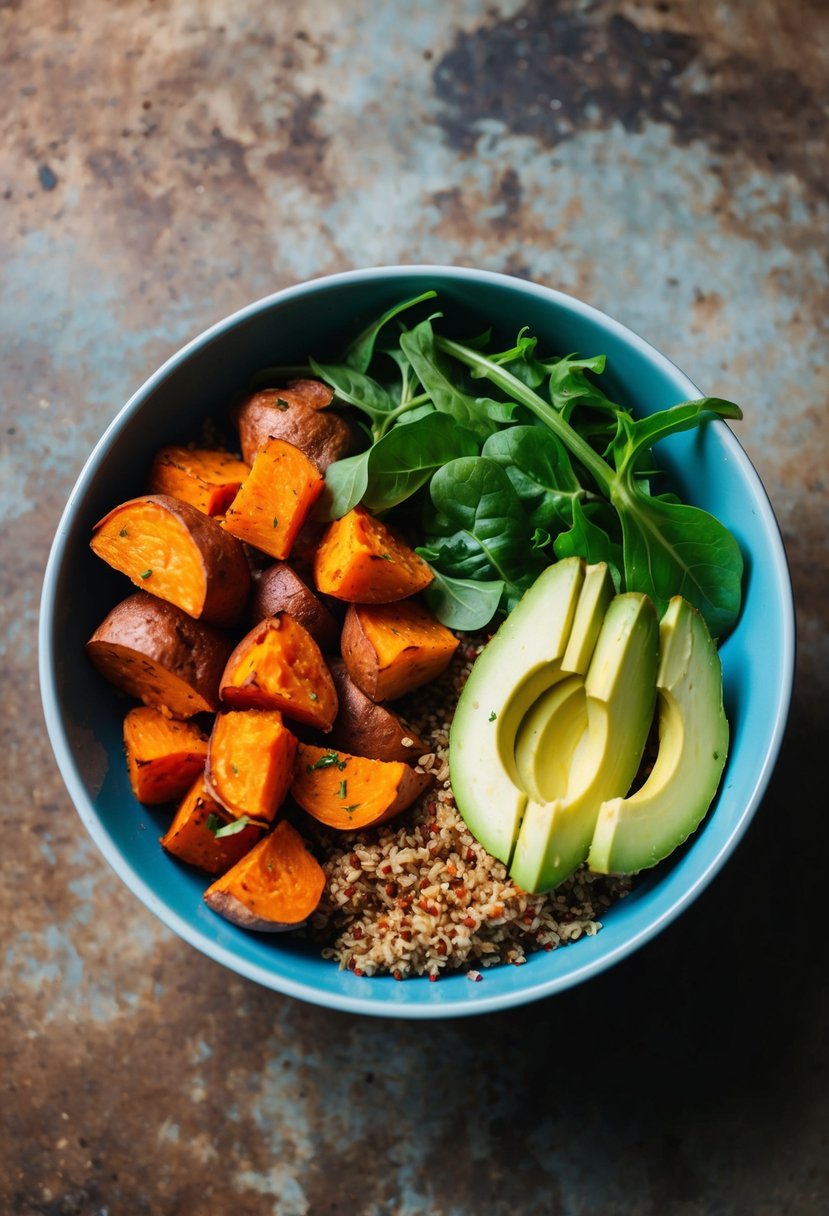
264, 976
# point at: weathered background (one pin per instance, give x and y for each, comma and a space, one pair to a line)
162, 164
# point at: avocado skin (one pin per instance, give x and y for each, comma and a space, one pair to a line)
635, 833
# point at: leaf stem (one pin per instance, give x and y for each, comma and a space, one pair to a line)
598, 468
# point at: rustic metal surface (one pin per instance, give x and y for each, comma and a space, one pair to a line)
160, 165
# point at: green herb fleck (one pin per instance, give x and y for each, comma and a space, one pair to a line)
343, 788
328, 760
123, 532
387, 557
493, 716
275, 521
213, 822
145, 574
282, 404
233, 829
235, 768
349, 810
312, 696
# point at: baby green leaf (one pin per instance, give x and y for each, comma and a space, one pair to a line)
463, 603
471, 412
358, 354
356, 388
538, 466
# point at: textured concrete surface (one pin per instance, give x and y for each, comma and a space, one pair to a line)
163, 163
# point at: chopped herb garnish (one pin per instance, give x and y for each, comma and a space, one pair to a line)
145, 574
387, 557
233, 829
312, 696
343, 788
282, 404
275, 521
235, 768
327, 761
349, 810
493, 716
123, 532
220, 829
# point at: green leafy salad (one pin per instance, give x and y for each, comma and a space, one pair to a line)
507, 460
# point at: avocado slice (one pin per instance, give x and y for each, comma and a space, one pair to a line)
620, 687
635, 833
522, 660
548, 737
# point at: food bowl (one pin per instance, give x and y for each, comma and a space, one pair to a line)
84, 715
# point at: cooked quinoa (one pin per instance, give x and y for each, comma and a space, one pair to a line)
419, 895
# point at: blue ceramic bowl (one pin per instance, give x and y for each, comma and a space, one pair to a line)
84, 716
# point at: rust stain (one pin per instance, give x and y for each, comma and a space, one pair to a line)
551, 72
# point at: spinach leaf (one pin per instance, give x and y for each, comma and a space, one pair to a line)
356, 388
477, 528
538, 466
463, 603
667, 549
358, 354
588, 540
345, 485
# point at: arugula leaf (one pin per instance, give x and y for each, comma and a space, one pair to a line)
448, 397
463, 603
667, 549
477, 528
538, 466
358, 354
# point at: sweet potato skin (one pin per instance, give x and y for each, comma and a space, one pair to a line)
278, 665
144, 640
280, 589
418, 661
350, 792
224, 569
323, 436
366, 728
164, 755
276, 886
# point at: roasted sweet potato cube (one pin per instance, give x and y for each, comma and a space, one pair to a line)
164, 756
280, 589
177, 553
250, 762
192, 836
276, 885
158, 654
391, 649
351, 792
296, 414
363, 561
364, 728
274, 500
207, 478
278, 665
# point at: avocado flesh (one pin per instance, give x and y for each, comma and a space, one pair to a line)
635, 833
620, 687
520, 662
548, 738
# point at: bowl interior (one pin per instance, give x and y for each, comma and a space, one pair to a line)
84, 714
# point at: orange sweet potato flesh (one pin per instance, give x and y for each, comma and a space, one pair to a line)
175, 552
164, 756
191, 840
155, 652
250, 762
391, 649
361, 560
275, 498
276, 885
280, 589
207, 478
278, 665
351, 792
365, 728
296, 415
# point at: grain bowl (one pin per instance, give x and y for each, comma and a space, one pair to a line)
446, 899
